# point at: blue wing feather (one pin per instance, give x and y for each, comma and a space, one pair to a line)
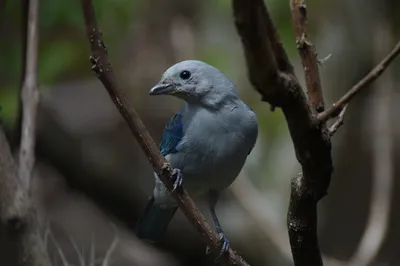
173, 133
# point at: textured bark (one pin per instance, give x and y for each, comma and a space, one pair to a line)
272, 75
307, 54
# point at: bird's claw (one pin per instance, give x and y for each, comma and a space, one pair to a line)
223, 242
177, 173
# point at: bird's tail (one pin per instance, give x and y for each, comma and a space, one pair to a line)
154, 221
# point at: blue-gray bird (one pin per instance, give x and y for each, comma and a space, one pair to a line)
206, 142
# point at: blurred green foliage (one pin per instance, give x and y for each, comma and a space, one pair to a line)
63, 48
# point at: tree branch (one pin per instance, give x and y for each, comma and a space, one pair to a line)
338, 123
261, 61
14, 137
16, 212
102, 67
311, 142
30, 98
279, 86
363, 83
308, 55
250, 198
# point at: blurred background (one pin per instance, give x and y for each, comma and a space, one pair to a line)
92, 181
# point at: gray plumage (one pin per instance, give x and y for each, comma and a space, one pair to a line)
208, 140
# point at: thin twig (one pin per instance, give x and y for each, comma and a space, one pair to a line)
363, 83
308, 55
111, 249
59, 249
30, 98
92, 255
102, 67
46, 235
383, 175
78, 252
338, 123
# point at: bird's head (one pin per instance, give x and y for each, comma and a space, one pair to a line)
195, 82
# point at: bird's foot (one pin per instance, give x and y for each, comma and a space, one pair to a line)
177, 174
223, 242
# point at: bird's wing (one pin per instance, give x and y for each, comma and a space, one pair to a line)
173, 133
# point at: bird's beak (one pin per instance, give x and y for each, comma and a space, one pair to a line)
163, 88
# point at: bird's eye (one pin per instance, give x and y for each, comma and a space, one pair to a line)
185, 74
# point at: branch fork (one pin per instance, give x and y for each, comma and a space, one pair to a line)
306, 120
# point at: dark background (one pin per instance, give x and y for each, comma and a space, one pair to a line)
90, 171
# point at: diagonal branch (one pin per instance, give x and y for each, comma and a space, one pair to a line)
30, 98
102, 67
363, 83
308, 55
311, 142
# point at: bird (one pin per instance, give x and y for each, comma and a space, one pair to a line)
206, 143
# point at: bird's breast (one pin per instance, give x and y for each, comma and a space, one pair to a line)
213, 151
